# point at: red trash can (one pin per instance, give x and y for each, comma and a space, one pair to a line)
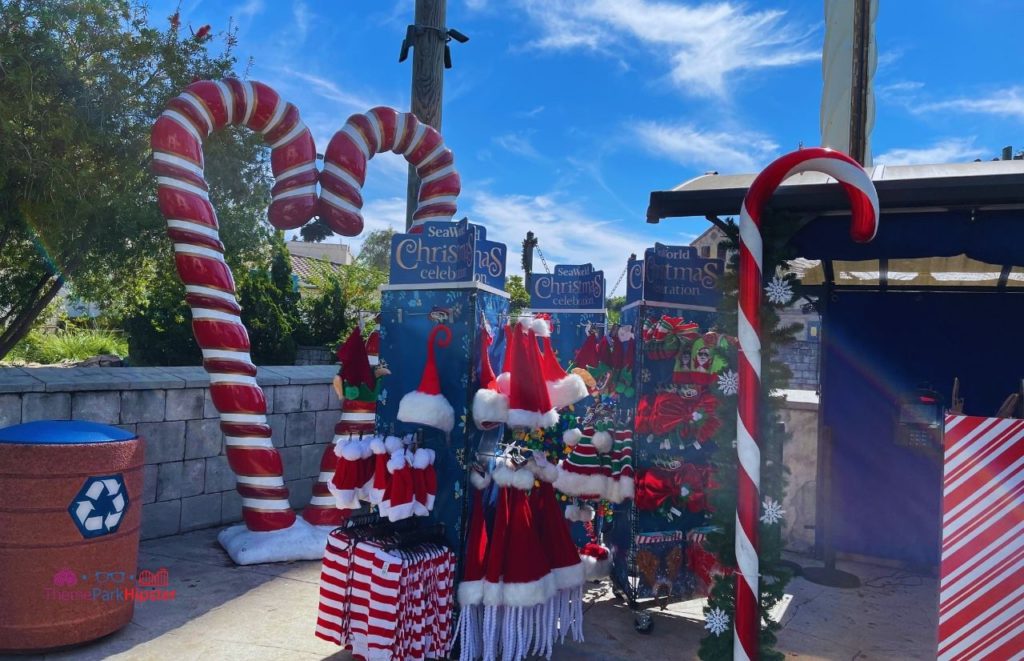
70, 511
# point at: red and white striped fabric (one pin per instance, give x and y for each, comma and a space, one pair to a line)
385, 605
981, 592
177, 142
864, 201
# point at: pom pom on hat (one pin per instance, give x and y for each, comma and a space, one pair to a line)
572, 436
479, 480
602, 441
541, 326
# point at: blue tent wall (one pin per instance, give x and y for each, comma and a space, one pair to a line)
878, 347
405, 326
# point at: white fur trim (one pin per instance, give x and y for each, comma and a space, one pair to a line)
430, 503
626, 489
541, 327
479, 481
532, 419
504, 381
512, 595
402, 511
397, 461
377, 445
602, 441
421, 459
352, 451
586, 513
503, 476
594, 569
543, 469
572, 512
568, 577
625, 333
430, 410
522, 479
393, 444
572, 436
567, 391
579, 484
344, 499
489, 406
471, 593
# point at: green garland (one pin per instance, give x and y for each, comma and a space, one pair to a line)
776, 229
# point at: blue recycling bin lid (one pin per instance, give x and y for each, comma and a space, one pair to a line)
63, 432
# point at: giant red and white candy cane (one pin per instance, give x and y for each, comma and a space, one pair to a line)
864, 201
376, 131
177, 142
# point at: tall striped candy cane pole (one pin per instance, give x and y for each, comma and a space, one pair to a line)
864, 201
376, 131
177, 142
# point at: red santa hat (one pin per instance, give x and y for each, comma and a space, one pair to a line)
424, 481
529, 406
355, 362
586, 355
373, 348
490, 405
400, 495
563, 389
566, 567
348, 474
597, 561
525, 578
426, 405
471, 588
504, 379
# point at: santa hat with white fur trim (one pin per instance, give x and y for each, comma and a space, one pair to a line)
424, 481
529, 406
348, 474
563, 389
566, 567
400, 494
490, 405
474, 566
426, 405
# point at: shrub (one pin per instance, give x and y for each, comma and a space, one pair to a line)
51, 348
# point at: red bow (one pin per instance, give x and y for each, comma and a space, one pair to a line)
594, 551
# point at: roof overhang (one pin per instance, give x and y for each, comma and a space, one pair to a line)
980, 185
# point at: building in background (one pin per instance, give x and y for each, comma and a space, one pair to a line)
307, 257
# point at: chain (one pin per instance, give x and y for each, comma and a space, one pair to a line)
619, 281
542, 260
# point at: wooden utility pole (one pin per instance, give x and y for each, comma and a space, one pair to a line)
429, 37
861, 82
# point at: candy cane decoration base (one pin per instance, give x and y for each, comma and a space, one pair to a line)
377, 131
177, 142
864, 202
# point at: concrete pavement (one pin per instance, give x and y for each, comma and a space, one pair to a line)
225, 612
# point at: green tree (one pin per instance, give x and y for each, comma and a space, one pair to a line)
520, 297
316, 231
82, 82
614, 307
376, 250
339, 295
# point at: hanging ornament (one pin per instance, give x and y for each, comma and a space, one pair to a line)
779, 291
771, 511
729, 382
717, 622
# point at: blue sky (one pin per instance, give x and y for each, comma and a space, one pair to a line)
563, 115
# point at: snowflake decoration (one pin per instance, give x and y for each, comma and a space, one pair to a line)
645, 375
460, 456
729, 382
779, 290
716, 621
772, 511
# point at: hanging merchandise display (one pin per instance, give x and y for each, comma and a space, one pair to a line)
522, 587
426, 405
490, 404
563, 389
387, 594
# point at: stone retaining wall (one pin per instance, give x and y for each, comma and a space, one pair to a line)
188, 484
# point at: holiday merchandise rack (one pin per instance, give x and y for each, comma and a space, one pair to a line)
650, 551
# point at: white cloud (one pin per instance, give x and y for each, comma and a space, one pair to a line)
1007, 103
476, 5
303, 18
724, 151
567, 233
518, 144
951, 150
328, 89
530, 114
248, 9
706, 44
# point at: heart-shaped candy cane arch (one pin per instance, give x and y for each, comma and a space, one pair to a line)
376, 131
864, 201
177, 142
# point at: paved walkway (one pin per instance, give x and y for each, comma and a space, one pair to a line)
225, 612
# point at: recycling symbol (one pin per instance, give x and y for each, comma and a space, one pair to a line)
99, 507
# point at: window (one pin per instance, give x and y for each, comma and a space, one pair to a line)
705, 251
